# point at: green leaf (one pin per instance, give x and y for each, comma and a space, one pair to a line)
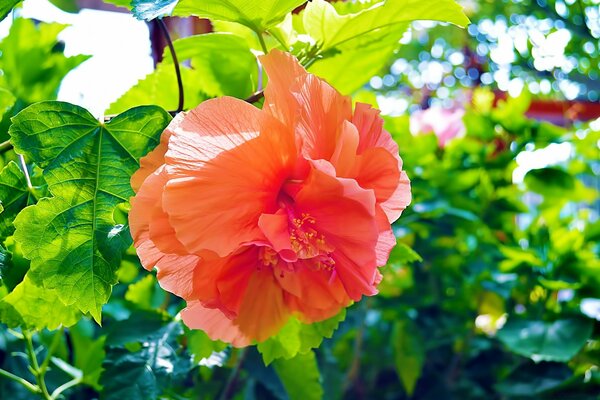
257, 15
141, 293
13, 266
88, 352
14, 196
300, 376
66, 5
145, 373
558, 341
39, 78
222, 62
402, 254
6, 6
150, 9
331, 28
362, 58
550, 181
201, 346
160, 88
7, 100
30, 305
71, 238
296, 337
409, 354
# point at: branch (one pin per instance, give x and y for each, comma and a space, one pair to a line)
34, 367
28, 385
232, 380
165, 33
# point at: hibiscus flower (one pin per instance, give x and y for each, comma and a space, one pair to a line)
254, 216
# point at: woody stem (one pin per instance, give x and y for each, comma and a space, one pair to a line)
165, 32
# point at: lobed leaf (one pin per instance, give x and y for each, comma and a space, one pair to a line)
71, 238
296, 337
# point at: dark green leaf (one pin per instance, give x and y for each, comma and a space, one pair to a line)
71, 238
6, 6
145, 374
14, 196
546, 341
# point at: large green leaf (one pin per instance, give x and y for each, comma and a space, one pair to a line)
160, 88
546, 341
296, 337
39, 78
222, 62
300, 376
362, 58
14, 196
6, 6
30, 305
71, 238
330, 28
409, 354
257, 15
149, 372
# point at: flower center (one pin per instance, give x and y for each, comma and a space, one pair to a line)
309, 244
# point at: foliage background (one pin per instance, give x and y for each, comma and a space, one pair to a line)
492, 291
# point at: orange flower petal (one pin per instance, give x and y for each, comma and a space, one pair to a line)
263, 312
337, 204
322, 115
155, 158
216, 325
227, 162
286, 75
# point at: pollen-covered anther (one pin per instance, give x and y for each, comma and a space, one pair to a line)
306, 241
268, 257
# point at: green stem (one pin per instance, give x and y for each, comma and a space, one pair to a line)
262, 42
35, 367
65, 387
28, 385
55, 342
5, 146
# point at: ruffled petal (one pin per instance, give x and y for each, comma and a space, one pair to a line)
314, 295
286, 75
345, 214
263, 311
174, 271
156, 158
323, 111
227, 162
216, 325
379, 166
